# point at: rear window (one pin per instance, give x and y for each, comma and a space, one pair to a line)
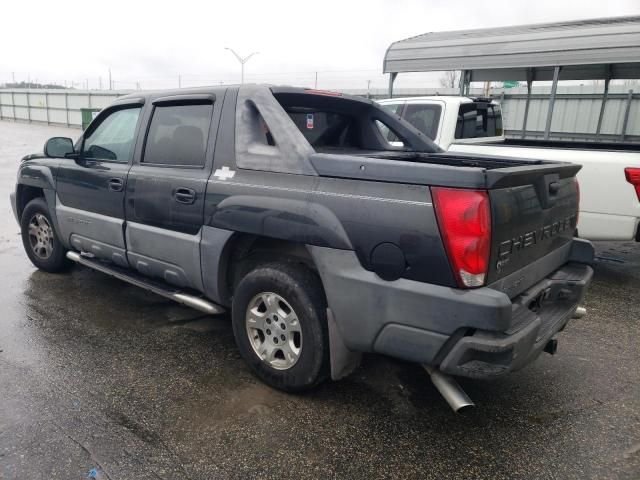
476, 120
336, 124
178, 135
425, 118
326, 129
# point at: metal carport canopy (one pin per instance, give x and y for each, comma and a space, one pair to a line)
585, 49
600, 48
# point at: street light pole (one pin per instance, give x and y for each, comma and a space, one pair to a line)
242, 61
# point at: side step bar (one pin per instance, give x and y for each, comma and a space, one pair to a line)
184, 298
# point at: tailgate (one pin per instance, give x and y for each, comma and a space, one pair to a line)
534, 213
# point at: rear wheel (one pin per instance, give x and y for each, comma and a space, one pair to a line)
39, 238
279, 323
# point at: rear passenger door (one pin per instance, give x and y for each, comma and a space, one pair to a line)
166, 189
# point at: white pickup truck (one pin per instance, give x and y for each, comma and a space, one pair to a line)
609, 179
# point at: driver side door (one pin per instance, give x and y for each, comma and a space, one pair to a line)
90, 191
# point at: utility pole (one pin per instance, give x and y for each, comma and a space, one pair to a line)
368, 88
242, 60
13, 77
86, 84
487, 89
316, 84
110, 82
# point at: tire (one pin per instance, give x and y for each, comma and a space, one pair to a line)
294, 294
39, 238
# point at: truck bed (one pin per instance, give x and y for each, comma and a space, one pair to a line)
439, 169
451, 160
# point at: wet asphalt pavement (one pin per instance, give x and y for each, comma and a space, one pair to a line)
101, 379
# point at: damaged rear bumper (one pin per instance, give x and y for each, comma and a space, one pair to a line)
538, 314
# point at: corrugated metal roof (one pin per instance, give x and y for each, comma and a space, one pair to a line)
582, 46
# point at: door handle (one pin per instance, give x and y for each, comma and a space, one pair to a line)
185, 195
116, 184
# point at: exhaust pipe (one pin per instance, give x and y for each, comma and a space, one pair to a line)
580, 312
449, 389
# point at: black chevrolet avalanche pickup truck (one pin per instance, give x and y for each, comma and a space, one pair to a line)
291, 208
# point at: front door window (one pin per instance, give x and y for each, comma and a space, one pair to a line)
112, 140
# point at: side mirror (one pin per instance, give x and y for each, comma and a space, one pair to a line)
59, 147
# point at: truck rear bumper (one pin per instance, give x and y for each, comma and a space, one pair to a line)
475, 333
538, 314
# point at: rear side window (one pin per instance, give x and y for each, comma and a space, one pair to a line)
178, 135
425, 118
477, 120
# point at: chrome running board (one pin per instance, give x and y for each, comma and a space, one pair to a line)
158, 288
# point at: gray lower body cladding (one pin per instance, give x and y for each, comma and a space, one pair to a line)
14, 206
476, 333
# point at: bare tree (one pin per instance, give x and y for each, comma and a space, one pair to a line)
450, 79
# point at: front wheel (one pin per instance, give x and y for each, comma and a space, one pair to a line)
39, 238
279, 323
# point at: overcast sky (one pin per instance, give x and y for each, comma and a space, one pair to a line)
154, 42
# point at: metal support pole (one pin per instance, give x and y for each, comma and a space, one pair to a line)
46, 105
463, 79
466, 83
605, 94
66, 106
627, 109
13, 106
28, 107
392, 78
530, 77
552, 101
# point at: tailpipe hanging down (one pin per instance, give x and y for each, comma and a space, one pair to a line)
449, 389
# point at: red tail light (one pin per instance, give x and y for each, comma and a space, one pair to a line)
633, 177
464, 218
